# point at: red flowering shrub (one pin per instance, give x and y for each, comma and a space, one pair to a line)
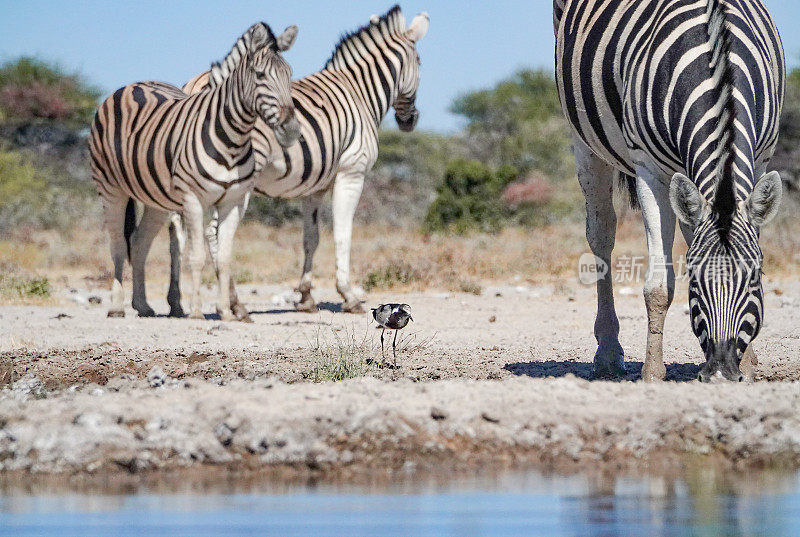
533, 189
32, 89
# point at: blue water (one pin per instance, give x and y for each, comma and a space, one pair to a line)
528, 505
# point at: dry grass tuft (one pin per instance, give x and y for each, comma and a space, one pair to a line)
340, 356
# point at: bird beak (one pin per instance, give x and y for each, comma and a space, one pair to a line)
410, 318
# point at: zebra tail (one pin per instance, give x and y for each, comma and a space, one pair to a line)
130, 224
627, 185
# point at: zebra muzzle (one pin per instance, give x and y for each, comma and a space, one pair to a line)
722, 363
405, 122
287, 132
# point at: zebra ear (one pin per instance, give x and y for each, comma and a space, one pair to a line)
286, 39
762, 204
686, 200
419, 27
260, 36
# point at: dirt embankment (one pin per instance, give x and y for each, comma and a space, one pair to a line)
372, 423
494, 378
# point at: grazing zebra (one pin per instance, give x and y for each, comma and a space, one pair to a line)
152, 143
680, 99
339, 109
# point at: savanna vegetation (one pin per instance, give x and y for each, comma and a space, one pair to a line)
463, 200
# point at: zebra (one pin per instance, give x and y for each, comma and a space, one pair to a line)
150, 142
339, 109
680, 99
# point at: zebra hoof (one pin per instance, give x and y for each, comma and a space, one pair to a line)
176, 312
613, 371
306, 306
226, 316
146, 312
241, 313
115, 314
353, 306
653, 373
609, 362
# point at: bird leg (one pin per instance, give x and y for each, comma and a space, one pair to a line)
394, 348
383, 354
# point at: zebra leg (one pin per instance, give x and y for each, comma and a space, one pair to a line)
659, 285
193, 219
141, 241
177, 241
597, 182
310, 242
212, 241
228, 216
346, 192
115, 215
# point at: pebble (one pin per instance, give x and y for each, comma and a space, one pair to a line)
29, 386
156, 377
438, 414
491, 418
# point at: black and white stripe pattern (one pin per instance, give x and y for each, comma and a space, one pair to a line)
339, 109
152, 143
656, 89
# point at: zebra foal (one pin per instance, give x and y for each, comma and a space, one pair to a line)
681, 100
152, 143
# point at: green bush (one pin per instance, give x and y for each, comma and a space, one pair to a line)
518, 122
40, 198
470, 198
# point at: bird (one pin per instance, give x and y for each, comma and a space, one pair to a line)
394, 317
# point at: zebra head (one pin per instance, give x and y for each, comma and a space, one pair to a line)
724, 268
406, 113
270, 81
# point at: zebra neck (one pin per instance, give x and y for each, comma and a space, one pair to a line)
225, 132
373, 83
724, 160
230, 116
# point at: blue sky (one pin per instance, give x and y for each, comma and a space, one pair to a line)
471, 44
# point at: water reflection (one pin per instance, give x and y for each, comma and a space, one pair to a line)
702, 502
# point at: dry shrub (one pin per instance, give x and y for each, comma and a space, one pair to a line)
533, 189
391, 274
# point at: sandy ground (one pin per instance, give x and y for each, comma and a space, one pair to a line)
497, 377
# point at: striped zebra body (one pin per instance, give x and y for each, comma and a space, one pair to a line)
339, 110
681, 100
153, 143
162, 147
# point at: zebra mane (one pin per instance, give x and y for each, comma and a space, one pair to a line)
724, 203
222, 69
391, 22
